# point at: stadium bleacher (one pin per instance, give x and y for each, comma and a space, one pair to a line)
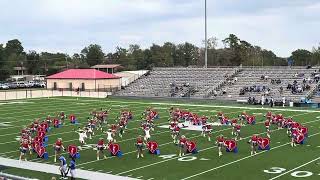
226, 83
176, 82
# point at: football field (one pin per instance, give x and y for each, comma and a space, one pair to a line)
281, 162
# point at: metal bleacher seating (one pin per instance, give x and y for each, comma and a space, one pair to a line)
159, 82
200, 83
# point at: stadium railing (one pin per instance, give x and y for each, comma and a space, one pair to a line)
26, 94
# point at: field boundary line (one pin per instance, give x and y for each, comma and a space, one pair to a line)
53, 169
198, 105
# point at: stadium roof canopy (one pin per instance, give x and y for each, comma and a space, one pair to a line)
82, 74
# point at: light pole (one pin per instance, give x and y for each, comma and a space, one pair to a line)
205, 35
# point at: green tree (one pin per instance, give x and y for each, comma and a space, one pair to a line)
315, 56
231, 42
78, 61
93, 54
121, 56
53, 62
135, 55
4, 69
33, 63
301, 57
13, 47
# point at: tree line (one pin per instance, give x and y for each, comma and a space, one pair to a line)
234, 53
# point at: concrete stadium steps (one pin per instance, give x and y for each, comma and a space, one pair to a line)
252, 76
157, 84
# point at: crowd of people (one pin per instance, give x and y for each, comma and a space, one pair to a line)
255, 88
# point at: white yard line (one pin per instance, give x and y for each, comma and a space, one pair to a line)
195, 105
247, 157
295, 168
141, 167
53, 169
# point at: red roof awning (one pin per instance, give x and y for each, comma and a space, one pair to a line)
82, 74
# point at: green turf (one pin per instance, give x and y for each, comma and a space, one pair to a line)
204, 165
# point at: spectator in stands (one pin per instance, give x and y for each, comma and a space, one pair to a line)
267, 92
262, 99
272, 81
235, 79
215, 93
281, 90
308, 87
267, 101
224, 92
241, 92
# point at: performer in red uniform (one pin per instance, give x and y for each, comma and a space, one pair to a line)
23, 149
139, 145
182, 145
233, 124
58, 147
267, 125
254, 143
220, 142
100, 147
238, 128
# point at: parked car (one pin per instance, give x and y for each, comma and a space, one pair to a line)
43, 84
30, 84
21, 84
12, 85
3, 86
36, 85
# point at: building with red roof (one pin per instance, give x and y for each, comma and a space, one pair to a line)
83, 79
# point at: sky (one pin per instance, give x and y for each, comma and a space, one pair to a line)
68, 26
